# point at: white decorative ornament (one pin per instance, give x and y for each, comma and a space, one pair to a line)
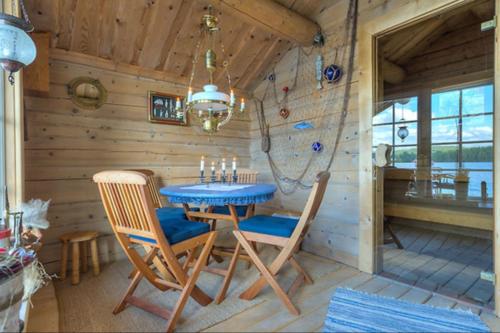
383, 155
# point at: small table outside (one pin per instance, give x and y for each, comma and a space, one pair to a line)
217, 194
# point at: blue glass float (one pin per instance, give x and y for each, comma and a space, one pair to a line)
332, 73
317, 147
303, 125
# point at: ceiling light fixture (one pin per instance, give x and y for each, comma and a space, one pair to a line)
212, 107
17, 49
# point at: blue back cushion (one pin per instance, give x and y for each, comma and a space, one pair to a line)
269, 225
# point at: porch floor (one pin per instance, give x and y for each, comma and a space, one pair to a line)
266, 315
446, 263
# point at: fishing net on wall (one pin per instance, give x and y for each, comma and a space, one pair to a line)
301, 125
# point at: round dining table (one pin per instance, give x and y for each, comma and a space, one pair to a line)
230, 195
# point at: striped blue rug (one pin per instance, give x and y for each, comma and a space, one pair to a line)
354, 311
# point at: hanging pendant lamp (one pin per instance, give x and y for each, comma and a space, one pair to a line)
17, 49
212, 107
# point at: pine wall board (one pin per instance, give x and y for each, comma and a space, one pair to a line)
66, 145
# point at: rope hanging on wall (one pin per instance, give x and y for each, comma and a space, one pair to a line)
289, 184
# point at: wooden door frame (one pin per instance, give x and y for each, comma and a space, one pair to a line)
368, 32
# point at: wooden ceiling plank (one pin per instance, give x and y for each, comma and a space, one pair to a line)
107, 28
86, 27
144, 28
67, 10
127, 27
259, 63
185, 9
273, 17
162, 24
279, 53
184, 43
262, 42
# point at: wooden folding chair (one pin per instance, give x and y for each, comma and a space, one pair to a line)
131, 213
286, 234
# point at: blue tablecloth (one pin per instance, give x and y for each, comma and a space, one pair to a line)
219, 195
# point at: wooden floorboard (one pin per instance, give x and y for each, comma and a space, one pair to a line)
449, 264
312, 300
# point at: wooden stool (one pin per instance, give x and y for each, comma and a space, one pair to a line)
79, 238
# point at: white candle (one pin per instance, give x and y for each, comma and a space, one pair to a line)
242, 107
232, 98
177, 103
234, 164
223, 164
190, 95
202, 163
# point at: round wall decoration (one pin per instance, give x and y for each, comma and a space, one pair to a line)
332, 73
87, 93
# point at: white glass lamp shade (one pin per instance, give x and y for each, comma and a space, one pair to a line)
17, 49
210, 99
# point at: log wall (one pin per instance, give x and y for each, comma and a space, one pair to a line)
335, 232
66, 145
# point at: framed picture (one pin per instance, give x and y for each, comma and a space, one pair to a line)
161, 109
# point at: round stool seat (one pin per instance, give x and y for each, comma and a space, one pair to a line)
79, 236
79, 240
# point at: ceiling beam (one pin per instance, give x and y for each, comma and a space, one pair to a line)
273, 17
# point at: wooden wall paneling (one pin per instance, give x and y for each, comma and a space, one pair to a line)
67, 145
36, 76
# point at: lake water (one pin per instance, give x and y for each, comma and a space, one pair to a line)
478, 172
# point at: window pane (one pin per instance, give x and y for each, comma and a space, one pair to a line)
445, 104
406, 109
405, 157
383, 117
475, 180
445, 130
477, 128
478, 156
445, 156
477, 100
382, 134
411, 139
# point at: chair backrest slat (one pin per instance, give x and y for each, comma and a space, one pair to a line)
313, 203
126, 201
152, 186
245, 176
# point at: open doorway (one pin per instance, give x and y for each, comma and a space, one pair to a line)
435, 112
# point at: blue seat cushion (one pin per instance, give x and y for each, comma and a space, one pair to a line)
173, 213
269, 225
241, 210
177, 229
